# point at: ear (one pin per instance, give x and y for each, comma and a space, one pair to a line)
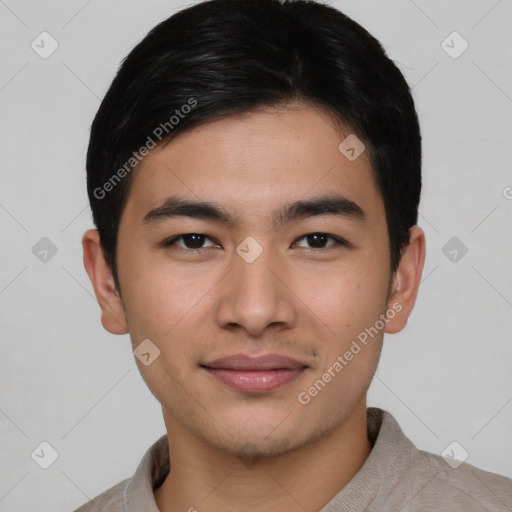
406, 281
112, 311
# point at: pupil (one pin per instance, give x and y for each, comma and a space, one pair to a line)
194, 241
317, 240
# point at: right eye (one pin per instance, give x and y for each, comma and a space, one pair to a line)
192, 241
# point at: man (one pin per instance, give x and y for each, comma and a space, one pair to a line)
254, 173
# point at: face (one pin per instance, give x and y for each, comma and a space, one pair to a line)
253, 254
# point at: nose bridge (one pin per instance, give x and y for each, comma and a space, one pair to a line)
254, 281
254, 297
255, 276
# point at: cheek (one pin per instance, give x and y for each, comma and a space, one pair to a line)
346, 301
154, 301
168, 305
165, 309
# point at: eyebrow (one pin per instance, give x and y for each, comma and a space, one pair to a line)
327, 205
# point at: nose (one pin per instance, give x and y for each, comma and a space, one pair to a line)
257, 296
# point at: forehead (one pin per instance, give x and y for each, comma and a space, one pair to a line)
254, 161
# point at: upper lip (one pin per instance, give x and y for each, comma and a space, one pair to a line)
244, 362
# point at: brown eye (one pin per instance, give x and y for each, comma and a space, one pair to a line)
190, 241
318, 241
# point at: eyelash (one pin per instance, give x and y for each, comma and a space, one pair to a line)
338, 241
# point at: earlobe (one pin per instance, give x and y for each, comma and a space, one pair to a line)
406, 281
112, 311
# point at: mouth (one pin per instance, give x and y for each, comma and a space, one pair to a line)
255, 374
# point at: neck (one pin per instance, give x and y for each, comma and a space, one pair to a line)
204, 479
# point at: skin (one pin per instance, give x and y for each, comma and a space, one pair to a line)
230, 450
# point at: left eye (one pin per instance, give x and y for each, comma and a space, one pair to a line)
318, 240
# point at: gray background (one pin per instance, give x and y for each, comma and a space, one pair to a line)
66, 381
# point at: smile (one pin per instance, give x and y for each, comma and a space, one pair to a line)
255, 375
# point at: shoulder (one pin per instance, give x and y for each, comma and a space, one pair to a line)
112, 500
136, 493
414, 480
460, 487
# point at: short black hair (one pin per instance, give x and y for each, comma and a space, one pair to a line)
223, 57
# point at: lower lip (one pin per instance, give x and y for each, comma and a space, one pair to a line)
255, 381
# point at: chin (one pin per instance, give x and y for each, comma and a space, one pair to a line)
256, 443
257, 449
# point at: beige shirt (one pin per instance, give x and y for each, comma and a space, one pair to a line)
396, 477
